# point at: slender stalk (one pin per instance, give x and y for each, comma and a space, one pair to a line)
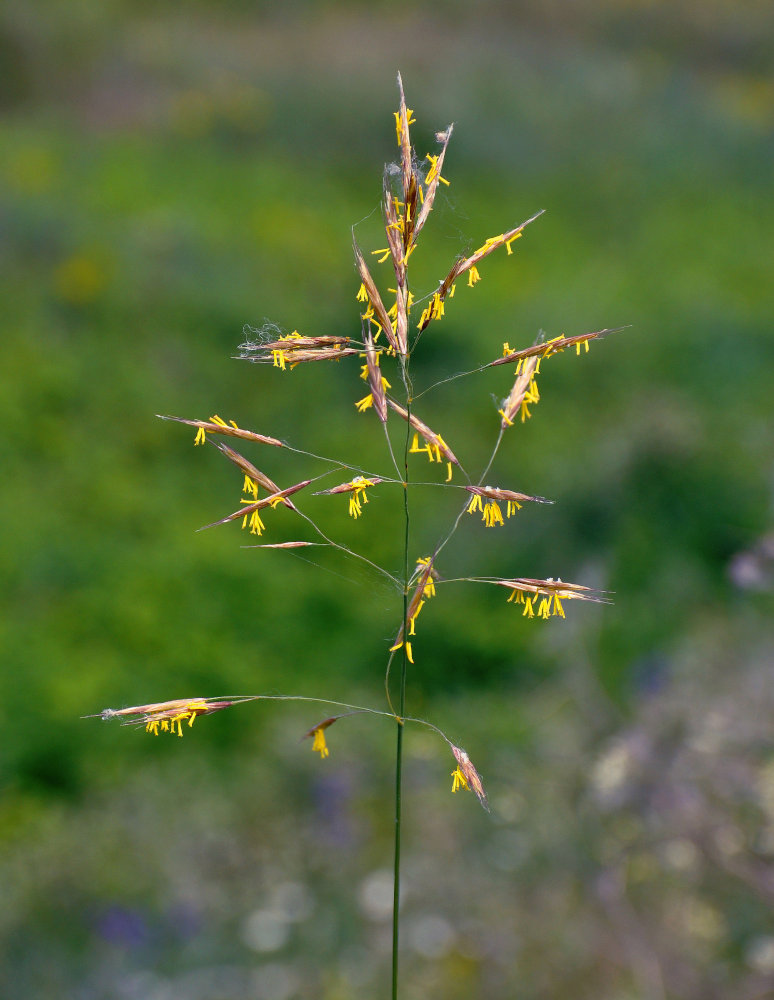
401, 697
396, 872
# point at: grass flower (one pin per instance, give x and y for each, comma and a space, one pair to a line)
550, 593
169, 716
434, 446
213, 426
426, 576
289, 350
466, 776
319, 744
523, 393
271, 501
549, 348
460, 781
253, 477
491, 512
378, 384
317, 735
357, 489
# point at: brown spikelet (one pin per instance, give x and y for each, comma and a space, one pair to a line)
375, 381
423, 590
471, 775
320, 725
157, 706
433, 439
351, 486
431, 189
161, 711
554, 346
250, 470
293, 341
293, 349
394, 225
299, 356
395, 229
546, 588
374, 297
269, 501
404, 140
495, 493
210, 427
519, 392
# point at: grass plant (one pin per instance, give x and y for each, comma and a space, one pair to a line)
389, 338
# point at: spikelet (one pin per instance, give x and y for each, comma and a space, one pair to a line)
466, 776
168, 716
230, 430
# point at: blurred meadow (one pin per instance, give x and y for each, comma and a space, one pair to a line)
170, 173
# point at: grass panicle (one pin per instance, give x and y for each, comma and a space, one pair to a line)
390, 333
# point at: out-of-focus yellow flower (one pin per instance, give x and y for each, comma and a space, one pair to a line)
80, 279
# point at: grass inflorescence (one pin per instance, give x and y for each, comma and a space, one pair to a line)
393, 322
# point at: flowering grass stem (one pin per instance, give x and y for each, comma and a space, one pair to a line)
409, 190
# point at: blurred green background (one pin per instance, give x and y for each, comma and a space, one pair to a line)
169, 173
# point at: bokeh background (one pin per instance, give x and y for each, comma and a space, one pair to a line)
171, 172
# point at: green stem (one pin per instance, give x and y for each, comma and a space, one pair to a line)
401, 702
396, 880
